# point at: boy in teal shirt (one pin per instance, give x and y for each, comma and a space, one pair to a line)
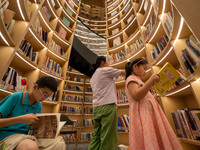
17, 112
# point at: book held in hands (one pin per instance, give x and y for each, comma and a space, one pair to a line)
49, 126
168, 76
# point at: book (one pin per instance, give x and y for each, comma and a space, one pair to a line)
8, 16
66, 21
116, 41
115, 31
49, 126
69, 11
168, 76
62, 32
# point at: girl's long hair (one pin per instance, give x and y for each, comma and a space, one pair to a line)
99, 59
129, 65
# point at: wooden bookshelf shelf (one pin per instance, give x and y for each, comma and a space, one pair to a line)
41, 20
190, 141
123, 105
70, 102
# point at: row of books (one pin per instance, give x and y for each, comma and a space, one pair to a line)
149, 26
52, 67
113, 58
117, 19
127, 7
87, 122
37, 27
7, 15
86, 136
56, 48
46, 12
97, 47
187, 123
115, 4
169, 21
69, 137
73, 88
87, 110
53, 97
191, 54
121, 96
160, 45
12, 80
26, 49
76, 78
88, 99
72, 98
123, 123
70, 110
88, 89
180, 80
62, 32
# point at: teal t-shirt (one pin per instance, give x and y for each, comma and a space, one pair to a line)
12, 106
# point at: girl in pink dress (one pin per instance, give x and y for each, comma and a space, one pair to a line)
149, 128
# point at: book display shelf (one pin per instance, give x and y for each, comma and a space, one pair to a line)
36, 38
160, 31
90, 39
98, 26
77, 104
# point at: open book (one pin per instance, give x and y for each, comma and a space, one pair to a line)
49, 126
168, 76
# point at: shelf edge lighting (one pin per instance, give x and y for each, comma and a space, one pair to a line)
20, 10
178, 90
5, 91
37, 38
45, 21
64, 11
128, 58
26, 61
147, 16
1, 35
50, 75
179, 32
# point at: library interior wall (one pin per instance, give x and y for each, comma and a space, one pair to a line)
184, 11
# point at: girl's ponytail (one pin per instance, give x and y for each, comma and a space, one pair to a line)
93, 67
128, 69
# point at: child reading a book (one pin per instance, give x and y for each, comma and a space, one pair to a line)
17, 112
148, 125
104, 105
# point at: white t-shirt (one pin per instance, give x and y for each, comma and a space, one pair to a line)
103, 86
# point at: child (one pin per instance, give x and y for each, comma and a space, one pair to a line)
104, 106
149, 128
18, 110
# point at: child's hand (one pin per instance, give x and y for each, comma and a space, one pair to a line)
156, 96
154, 78
29, 119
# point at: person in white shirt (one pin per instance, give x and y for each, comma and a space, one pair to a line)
104, 105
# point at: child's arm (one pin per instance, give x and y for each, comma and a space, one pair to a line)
27, 119
139, 93
123, 73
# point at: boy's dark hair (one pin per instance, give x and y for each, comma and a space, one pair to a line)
98, 63
47, 81
129, 65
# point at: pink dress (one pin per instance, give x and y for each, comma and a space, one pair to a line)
149, 128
